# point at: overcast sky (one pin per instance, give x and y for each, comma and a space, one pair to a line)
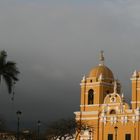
56, 42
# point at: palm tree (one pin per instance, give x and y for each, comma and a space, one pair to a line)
8, 71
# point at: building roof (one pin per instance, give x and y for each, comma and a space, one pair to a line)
101, 70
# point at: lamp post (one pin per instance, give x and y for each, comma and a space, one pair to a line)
38, 129
116, 128
18, 118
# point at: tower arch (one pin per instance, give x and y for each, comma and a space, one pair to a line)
90, 96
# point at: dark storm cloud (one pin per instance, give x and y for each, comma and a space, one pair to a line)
55, 44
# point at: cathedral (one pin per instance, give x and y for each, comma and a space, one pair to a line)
103, 109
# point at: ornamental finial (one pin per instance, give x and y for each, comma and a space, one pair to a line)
115, 86
102, 59
84, 78
135, 74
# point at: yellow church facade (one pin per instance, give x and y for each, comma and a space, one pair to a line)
103, 109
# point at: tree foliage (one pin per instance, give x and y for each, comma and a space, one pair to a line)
60, 129
64, 129
8, 71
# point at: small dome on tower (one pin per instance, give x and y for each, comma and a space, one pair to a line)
101, 71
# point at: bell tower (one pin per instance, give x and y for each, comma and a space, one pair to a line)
135, 90
96, 86
104, 114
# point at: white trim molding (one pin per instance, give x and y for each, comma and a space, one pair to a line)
86, 113
90, 105
134, 79
133, 102
92, 118
111, 104
96, 84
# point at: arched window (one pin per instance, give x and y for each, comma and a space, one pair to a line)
107, 92
90, 96
112, 112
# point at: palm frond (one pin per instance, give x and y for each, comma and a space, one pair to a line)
9, 82
8, 71
3, 56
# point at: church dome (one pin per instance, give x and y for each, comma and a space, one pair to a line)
101, 70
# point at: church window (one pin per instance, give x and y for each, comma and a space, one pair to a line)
90, 81
90, 96
110, 136
107, 91
127, 136
112, 111
113, 99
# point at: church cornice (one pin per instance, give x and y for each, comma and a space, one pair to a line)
133, 102
111, 104
134, 79
96, 84
89, 118
86, 113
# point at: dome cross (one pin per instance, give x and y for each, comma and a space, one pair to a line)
102, 59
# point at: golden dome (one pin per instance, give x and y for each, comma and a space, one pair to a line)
101, 70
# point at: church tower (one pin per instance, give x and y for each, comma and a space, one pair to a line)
135, 90
96, 86
104, 114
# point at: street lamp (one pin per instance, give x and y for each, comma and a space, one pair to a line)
116, 128
18, 118
38, 129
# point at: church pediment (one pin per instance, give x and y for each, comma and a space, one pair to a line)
113, 99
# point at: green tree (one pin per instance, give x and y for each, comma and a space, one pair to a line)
65, 129
61, 129
8, 71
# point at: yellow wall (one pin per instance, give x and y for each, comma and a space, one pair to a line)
98, 117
